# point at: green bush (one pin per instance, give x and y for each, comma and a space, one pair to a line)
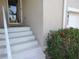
63, 44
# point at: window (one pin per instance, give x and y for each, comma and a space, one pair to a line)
71, 14
73, 19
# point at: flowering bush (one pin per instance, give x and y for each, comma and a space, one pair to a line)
63, 44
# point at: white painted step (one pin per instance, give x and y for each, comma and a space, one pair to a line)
17, 34
23, 44
18, 40
3, 53
20, 48
16, 29
35, 53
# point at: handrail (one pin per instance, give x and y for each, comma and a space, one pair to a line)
6, 35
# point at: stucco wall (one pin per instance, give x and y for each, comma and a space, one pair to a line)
43, 16
33, 17
53, 15
1, 18
73, 3
3, 3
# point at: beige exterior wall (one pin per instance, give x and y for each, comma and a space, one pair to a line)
1, 19
53, 15
43, 16
33, 17
53, 10
73, 3
3, 3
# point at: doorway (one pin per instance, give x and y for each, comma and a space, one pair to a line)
14, 12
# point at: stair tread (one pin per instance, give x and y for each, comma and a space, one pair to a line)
26, 53
19, 44
15, 29
19, 34
16, 51
18, 38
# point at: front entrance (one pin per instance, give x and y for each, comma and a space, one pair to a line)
13, 10
15, 15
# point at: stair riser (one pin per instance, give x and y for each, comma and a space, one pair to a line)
35, 53
19, 48
18, 40
16, 29
15, 35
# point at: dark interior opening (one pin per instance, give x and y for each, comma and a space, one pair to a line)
14, 11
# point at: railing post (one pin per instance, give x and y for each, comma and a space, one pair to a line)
6, 35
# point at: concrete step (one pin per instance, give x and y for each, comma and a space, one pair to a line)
17, 34
35, 53
22, 42
19, 48
18, 40
15, 29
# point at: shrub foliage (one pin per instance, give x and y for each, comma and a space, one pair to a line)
63, 44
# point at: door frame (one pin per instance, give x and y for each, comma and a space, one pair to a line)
15, 24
